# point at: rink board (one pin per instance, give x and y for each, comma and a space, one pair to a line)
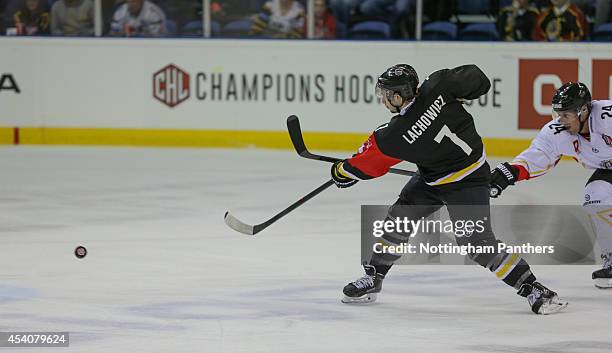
237, 93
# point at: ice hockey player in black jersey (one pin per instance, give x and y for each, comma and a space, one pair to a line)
432, 129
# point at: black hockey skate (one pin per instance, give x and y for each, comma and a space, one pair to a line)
541, 299
603, 277
364, 289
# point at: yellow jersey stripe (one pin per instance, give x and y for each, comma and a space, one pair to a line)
456, 176
501, 273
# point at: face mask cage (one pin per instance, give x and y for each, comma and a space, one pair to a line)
556, 112
382, 92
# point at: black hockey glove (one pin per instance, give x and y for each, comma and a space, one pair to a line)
340, 179
501, 177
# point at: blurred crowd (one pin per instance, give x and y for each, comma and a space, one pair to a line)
507, 20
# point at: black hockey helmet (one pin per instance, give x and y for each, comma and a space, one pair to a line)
571, 96
401, 79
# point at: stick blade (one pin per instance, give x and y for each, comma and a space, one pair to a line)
295, 133
238, 225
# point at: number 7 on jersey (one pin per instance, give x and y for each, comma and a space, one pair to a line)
445, 131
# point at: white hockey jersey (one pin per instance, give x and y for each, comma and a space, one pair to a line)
293, 19
553, 141
151, 21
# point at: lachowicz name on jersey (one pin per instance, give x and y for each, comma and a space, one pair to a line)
419, 127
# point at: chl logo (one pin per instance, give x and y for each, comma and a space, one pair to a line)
171, 85
607, 139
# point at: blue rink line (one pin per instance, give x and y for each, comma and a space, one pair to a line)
240, 309
117, 324
11, 293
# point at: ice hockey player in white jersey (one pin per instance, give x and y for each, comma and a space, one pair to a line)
581, 128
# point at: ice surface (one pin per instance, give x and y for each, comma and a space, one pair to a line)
165, 274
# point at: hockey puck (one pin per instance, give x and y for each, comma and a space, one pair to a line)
80, 252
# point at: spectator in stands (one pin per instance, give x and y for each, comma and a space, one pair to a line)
324, 21
72, 18
140, 18
602, 12
562, 21
32, 18
517, 21
280, 19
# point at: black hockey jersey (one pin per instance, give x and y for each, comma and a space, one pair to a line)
434, 132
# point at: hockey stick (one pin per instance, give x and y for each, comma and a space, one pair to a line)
295, 133
248, 229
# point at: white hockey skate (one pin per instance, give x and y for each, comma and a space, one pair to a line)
364, 290
541, 299
603, 278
